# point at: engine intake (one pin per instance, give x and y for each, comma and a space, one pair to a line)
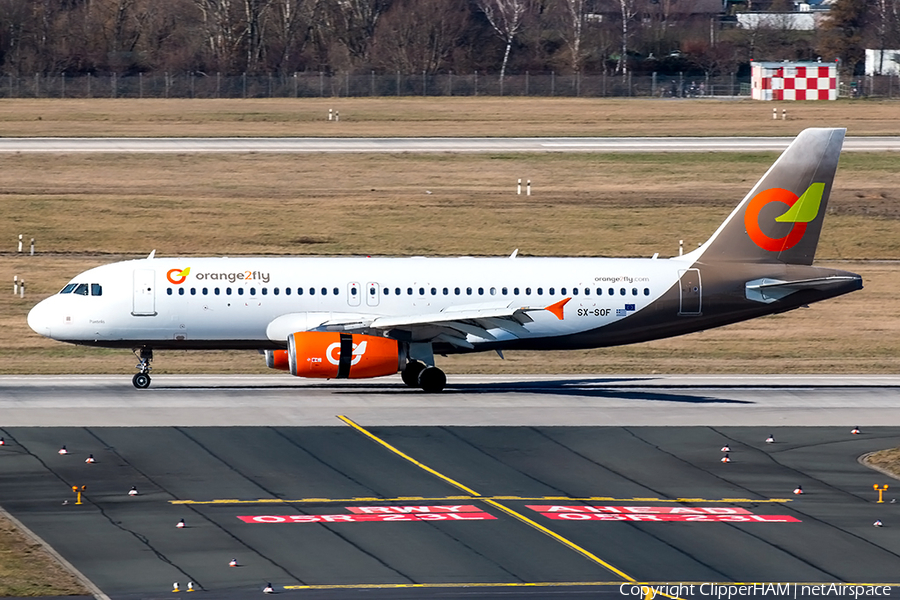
278, 359
332, 355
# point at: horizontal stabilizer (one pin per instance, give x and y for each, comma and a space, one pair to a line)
771, 290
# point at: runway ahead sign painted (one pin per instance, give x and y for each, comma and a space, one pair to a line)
381, 514
681, 514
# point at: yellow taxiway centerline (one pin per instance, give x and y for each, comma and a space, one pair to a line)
568, 543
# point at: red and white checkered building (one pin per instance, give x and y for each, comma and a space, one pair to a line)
793, 81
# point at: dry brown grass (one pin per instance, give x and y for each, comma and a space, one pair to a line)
27, 571
86, 210
475, 116
889, 460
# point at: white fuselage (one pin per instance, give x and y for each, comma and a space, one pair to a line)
230, 302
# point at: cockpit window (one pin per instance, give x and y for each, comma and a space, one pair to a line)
68, 289
81, 289
96, 289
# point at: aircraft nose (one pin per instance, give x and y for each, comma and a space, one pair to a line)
39, 318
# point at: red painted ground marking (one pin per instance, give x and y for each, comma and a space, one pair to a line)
468, 508
363, 518
645, 510
583, 516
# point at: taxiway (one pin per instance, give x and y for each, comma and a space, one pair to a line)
292, 145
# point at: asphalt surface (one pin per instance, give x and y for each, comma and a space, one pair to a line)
278, 398
289, 145
130, 546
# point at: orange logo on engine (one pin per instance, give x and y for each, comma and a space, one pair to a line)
176, 276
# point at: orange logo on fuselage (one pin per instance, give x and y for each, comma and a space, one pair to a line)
176, 276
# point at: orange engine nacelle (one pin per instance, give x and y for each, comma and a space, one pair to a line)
278, 359
342, 355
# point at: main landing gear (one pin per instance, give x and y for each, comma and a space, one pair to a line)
429, 378
145, 356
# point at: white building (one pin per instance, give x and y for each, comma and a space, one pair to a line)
882, 62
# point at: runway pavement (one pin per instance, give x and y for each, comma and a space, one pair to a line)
187, 400
290, 145
334, 509
453, 505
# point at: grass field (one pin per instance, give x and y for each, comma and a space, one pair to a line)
27, 571
85, 210
474, 116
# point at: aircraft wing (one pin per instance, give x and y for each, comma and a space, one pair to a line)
452, 325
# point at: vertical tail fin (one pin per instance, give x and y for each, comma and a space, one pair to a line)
781, 218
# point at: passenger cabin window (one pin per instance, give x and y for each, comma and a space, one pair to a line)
240, 291
646, 291
334, 291
96, 289
169, 291
386, 291
204, 291
181, 291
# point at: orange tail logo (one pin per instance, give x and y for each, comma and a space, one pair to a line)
801, 210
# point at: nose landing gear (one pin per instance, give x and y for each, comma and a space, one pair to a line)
145, 356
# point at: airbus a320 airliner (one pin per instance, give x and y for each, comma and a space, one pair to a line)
370, 317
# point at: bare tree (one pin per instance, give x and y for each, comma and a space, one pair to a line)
571, 30
223, 30
291, 22
419, 35
629, 11
506, 17
352, 23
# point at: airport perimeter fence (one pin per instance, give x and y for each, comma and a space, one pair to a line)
322, 85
